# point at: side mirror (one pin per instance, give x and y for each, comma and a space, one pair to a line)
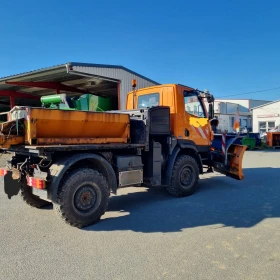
211, 111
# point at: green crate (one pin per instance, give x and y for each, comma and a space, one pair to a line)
100, 104
249, 142
89, 102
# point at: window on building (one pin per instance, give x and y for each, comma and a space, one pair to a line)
270, 125
249, 122
232, 121
266, 126
262, 127
245, 122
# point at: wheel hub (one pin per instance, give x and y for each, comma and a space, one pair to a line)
186, 176
85, 198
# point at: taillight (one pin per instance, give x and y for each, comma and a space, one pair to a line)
36, 183
3, 171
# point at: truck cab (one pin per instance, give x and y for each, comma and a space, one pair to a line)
189, 117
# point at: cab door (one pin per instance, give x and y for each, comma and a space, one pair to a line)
195, 121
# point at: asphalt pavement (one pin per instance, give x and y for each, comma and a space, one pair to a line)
227, 230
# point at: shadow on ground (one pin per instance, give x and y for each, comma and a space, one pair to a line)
218, 202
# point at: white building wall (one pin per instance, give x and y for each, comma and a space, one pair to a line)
266, 116
225, 109
242, 102
226, 122
229, 108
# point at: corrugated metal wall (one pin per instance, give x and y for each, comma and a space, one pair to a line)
123, 76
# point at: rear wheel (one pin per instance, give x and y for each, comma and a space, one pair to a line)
29, 198
82, 197
184, 177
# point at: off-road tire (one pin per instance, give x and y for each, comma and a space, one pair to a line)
29, 198
83, 197
185, 166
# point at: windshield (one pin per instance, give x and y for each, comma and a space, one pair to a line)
148, 100
193, 104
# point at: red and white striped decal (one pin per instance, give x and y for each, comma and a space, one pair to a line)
204, 133
224, 143
207, 132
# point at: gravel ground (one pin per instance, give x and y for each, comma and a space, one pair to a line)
227, 230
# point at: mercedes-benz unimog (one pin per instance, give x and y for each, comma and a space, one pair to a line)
75, 158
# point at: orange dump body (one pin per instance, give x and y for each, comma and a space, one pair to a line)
50, 126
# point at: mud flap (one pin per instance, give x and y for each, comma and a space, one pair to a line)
11, 186
230, 164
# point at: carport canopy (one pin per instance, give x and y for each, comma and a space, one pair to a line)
26, 89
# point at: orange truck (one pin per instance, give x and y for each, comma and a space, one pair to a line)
76, 159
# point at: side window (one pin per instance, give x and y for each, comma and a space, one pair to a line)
262, 127
148, 100
193, 105
232, 121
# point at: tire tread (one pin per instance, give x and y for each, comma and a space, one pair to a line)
63, 213
173, 188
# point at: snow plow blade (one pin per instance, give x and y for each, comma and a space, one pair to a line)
230, 164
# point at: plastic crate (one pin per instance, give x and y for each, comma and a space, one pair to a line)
249, 142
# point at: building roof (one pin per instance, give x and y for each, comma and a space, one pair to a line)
69, 64
266, 104
236, 99
61, 74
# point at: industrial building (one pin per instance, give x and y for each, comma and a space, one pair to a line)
72, 78
226, 109
266, 117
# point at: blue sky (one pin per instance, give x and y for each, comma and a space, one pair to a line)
228, 47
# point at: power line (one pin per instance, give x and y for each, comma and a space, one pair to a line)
250, 92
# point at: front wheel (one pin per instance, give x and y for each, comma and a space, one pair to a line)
184, 177
82, 197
